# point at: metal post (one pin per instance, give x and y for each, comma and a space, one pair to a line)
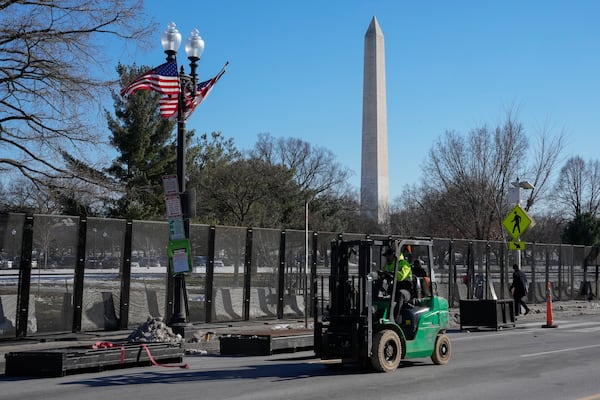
305, 275
247, 274
210, 274
187, 83
24, 285
126, 276
281, 275
79, 276
178, 316
313, 272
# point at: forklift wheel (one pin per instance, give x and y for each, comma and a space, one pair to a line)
442, 350
387, 351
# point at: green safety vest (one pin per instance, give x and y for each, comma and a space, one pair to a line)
404, 270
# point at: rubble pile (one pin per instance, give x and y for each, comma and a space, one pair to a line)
154, 330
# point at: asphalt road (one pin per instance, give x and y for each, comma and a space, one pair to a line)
528, 362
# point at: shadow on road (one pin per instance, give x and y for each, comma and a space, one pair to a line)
278, 372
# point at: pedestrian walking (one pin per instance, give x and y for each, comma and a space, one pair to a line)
519, 290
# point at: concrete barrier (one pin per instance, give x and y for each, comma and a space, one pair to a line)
139, 310
98, 311
263, 303
8, 315
293, 306
154, 308
228, 304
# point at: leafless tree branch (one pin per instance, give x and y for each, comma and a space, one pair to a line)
50, 55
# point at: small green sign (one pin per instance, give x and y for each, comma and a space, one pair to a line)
180, 256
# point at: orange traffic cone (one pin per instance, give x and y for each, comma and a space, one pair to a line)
549, 320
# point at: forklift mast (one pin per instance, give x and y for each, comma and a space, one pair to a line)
350, 295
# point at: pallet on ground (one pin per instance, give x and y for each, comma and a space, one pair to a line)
70, 360
266, 343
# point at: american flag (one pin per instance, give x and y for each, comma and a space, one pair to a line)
162, 79
202, 92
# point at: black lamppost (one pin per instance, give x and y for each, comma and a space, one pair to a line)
194, 46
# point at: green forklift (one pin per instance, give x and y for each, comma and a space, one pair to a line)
371, 319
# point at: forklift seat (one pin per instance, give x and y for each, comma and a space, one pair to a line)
410, 320
421, 287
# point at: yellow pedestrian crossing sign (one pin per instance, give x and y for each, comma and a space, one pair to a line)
517, 221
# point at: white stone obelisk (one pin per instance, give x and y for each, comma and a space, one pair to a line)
375, 180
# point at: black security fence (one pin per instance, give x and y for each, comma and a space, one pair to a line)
72, 274
479, 269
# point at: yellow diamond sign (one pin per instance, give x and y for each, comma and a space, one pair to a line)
517, 221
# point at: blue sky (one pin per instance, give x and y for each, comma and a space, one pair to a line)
296, 71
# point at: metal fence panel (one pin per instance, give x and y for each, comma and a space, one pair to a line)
149, 265
295, 286
11, 231
228, 292
102, 274
196, 280
55, 241
78, 272
264, 273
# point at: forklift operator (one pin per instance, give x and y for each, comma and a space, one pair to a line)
404, 275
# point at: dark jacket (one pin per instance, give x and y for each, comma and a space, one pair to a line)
519, 284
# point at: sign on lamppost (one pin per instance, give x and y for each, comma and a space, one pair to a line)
179, 247
180, 253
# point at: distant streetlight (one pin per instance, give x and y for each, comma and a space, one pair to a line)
13, 246
95, 230
514, 193
194, 47
104, 235
306, 204
306, 273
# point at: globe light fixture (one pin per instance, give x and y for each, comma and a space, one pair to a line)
171, 39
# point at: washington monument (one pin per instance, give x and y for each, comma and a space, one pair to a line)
374, 183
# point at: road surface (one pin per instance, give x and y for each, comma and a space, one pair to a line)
528, 362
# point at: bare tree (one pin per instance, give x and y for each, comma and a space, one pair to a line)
50, 80
469, 176
320, 180
475, 172
71, 198
547, 152
578, 187
314, 168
